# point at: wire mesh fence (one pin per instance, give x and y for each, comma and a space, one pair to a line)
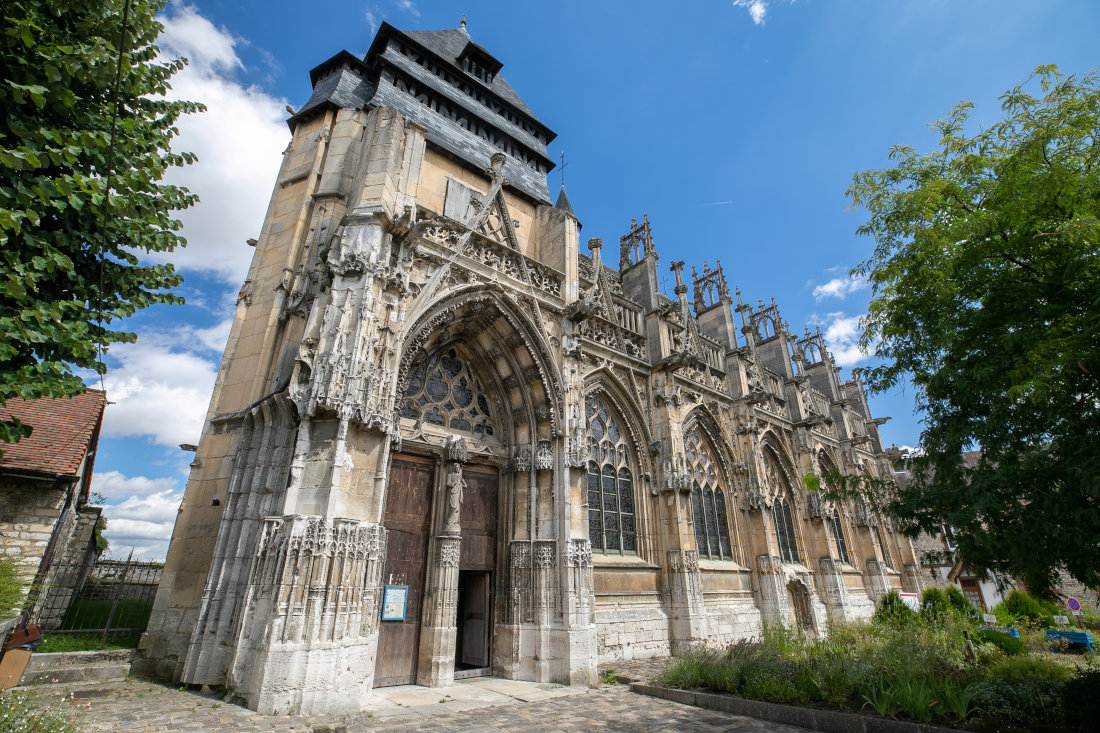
96, 604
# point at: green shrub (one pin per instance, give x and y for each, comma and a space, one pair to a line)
684, 671
1022, 605
1027, 667
832, 673
934, 604
1081, 700
893, 611
1032, 706
1010, 645
962, 604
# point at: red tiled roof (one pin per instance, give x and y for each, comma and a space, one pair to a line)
63, 430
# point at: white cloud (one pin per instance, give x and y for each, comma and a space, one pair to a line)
143, 523
161, 385
140, 513
372, 19
116, 486
840, 287
757, 9
841, 333
409, 7
238, 141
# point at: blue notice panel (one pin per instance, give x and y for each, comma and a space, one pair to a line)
394, 602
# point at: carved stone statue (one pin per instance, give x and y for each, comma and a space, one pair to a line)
455, 487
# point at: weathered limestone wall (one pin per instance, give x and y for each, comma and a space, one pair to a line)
29, 513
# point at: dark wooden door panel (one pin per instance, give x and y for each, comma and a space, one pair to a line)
408, 510
479, 519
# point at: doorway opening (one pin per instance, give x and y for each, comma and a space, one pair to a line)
800, 605
473, 650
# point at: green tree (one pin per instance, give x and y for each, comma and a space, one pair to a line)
986, 297
81, 89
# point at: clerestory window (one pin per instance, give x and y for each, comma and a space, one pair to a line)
611, 516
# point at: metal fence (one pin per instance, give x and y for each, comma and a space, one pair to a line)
104, 598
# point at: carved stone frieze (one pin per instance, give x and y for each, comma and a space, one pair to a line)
578, 553
449, 550
769, 565
545, 553
683, 561
544, 457
456, 449
521, 555
522, 460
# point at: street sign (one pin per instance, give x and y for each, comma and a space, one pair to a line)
1078, 613
1074, 604
1061, 620
911, 600
989, 618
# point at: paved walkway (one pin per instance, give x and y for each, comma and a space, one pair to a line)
480, 704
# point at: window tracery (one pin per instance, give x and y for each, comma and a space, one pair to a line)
708, 502
444, 391
781, 509
611, 513
784, 531
834, 525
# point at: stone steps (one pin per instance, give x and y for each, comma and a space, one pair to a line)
61, 667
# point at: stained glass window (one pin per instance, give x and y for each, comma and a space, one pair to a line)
708, 504
611, 517
838, 535
444, 391
784, 531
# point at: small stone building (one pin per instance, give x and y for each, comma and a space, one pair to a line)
444, 442
46, 523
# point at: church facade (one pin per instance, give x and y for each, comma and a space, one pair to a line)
443, 442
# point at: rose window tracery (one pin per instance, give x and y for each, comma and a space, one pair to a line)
444, 391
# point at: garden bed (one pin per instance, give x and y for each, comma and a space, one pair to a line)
833, 721
928, 669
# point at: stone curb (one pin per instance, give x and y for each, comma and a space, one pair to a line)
832, 721
99, 666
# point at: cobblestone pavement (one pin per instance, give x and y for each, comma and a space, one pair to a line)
483, 704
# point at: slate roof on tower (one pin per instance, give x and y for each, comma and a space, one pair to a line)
446, 83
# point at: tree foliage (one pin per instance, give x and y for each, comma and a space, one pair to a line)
986, 297
78, 122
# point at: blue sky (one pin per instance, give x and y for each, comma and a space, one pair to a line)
736, 126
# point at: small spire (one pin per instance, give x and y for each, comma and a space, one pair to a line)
462, 25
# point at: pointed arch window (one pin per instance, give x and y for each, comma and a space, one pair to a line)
708, 502
838, 536
611, 516
781, 509
784, 531
444, 391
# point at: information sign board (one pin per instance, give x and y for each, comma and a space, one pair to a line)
394, 601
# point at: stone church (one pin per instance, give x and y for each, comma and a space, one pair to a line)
444, 442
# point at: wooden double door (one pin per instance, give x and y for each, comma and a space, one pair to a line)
408, 521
